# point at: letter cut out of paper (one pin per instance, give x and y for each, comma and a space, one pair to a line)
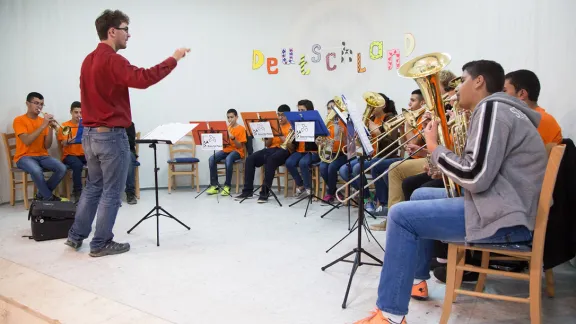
393, 54
359, 61
290, 59
303, 63
330, 68
316, 50
272, 62
257, 59
380, 50
409, 43
346, 54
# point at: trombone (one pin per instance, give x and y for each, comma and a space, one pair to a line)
425, 71
56, 126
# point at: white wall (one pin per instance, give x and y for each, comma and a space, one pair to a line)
44, 43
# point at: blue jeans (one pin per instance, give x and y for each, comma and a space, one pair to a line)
382, 183
355, 166
131, 177
229, 164
304, 161
108, 158
34, 165
76, 164
411, 230
329, 173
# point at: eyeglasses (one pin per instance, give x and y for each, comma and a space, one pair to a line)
37, 104
123, 28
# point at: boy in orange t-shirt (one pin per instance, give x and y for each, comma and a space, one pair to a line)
271, 157
33, 138
72, 153
231, 153
524, 85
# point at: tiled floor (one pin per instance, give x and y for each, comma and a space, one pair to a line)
239, 263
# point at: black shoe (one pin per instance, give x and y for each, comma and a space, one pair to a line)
244, 195
110, 249
262, 199
131, 198
441, 272
435, 264
72, 244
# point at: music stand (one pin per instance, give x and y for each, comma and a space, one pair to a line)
272, 118
319, 130
212, 127
358, 250
163, 134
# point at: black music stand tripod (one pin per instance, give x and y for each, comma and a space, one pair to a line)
155, 211
225, 142
358, 250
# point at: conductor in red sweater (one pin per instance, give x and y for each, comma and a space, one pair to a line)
105, 77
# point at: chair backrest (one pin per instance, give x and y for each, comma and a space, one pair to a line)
185, 146
555, 154
9, 148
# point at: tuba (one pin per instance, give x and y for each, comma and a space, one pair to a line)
425, 70
325, 143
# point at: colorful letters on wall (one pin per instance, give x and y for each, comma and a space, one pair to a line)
375, 50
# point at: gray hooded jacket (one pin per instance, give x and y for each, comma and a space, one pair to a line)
502, 168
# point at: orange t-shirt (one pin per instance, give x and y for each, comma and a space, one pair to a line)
25, 125
276, 141
343, 132
301, 147
239, 133
378, 121
549, 128
71, 149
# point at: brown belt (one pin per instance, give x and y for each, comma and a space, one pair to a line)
104, 129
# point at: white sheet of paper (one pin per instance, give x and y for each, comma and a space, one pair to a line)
171, 133
261, 130
212, 142
343, 115
359, 126
304, 131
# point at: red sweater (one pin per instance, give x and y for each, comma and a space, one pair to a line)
104, 81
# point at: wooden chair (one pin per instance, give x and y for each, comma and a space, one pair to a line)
238, 169
278, 175
137, 170
9, 152
188, 147
533, 254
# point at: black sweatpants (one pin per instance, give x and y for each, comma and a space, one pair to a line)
271, 159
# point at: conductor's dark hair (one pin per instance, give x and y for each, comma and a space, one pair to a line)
109, 19
306, 103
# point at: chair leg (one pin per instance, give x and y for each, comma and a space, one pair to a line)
25, 190
460, 260
12, 189
482, 276
169, 179
535, 292
67, 180
549, 275
450, 283
285, 184
196, 178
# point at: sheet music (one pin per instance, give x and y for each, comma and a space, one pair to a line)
172, 132
359, 126
212, 142
342, 115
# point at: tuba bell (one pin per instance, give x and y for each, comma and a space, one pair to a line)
325, 143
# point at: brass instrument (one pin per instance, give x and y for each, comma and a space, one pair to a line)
325, 143
425, 71
54, 124
289, 138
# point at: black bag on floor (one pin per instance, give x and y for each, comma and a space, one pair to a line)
51, 220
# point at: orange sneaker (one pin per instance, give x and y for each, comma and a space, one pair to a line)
420, 291
376, 317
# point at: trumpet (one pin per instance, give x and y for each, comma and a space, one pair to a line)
289, 138
54, 124
425, 71
325, 143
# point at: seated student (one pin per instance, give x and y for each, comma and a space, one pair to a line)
72, 153
376, 126
33, 138
271, 157
306, 154
501, 186
329, 171
130, 189
524, 85
231, 153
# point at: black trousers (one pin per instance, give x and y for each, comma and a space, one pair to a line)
271, 159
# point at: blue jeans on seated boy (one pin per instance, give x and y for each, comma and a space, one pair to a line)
108, 158
230, 158
304, 161
412, 228
35, 166
329, 173
382, 183
76, 163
